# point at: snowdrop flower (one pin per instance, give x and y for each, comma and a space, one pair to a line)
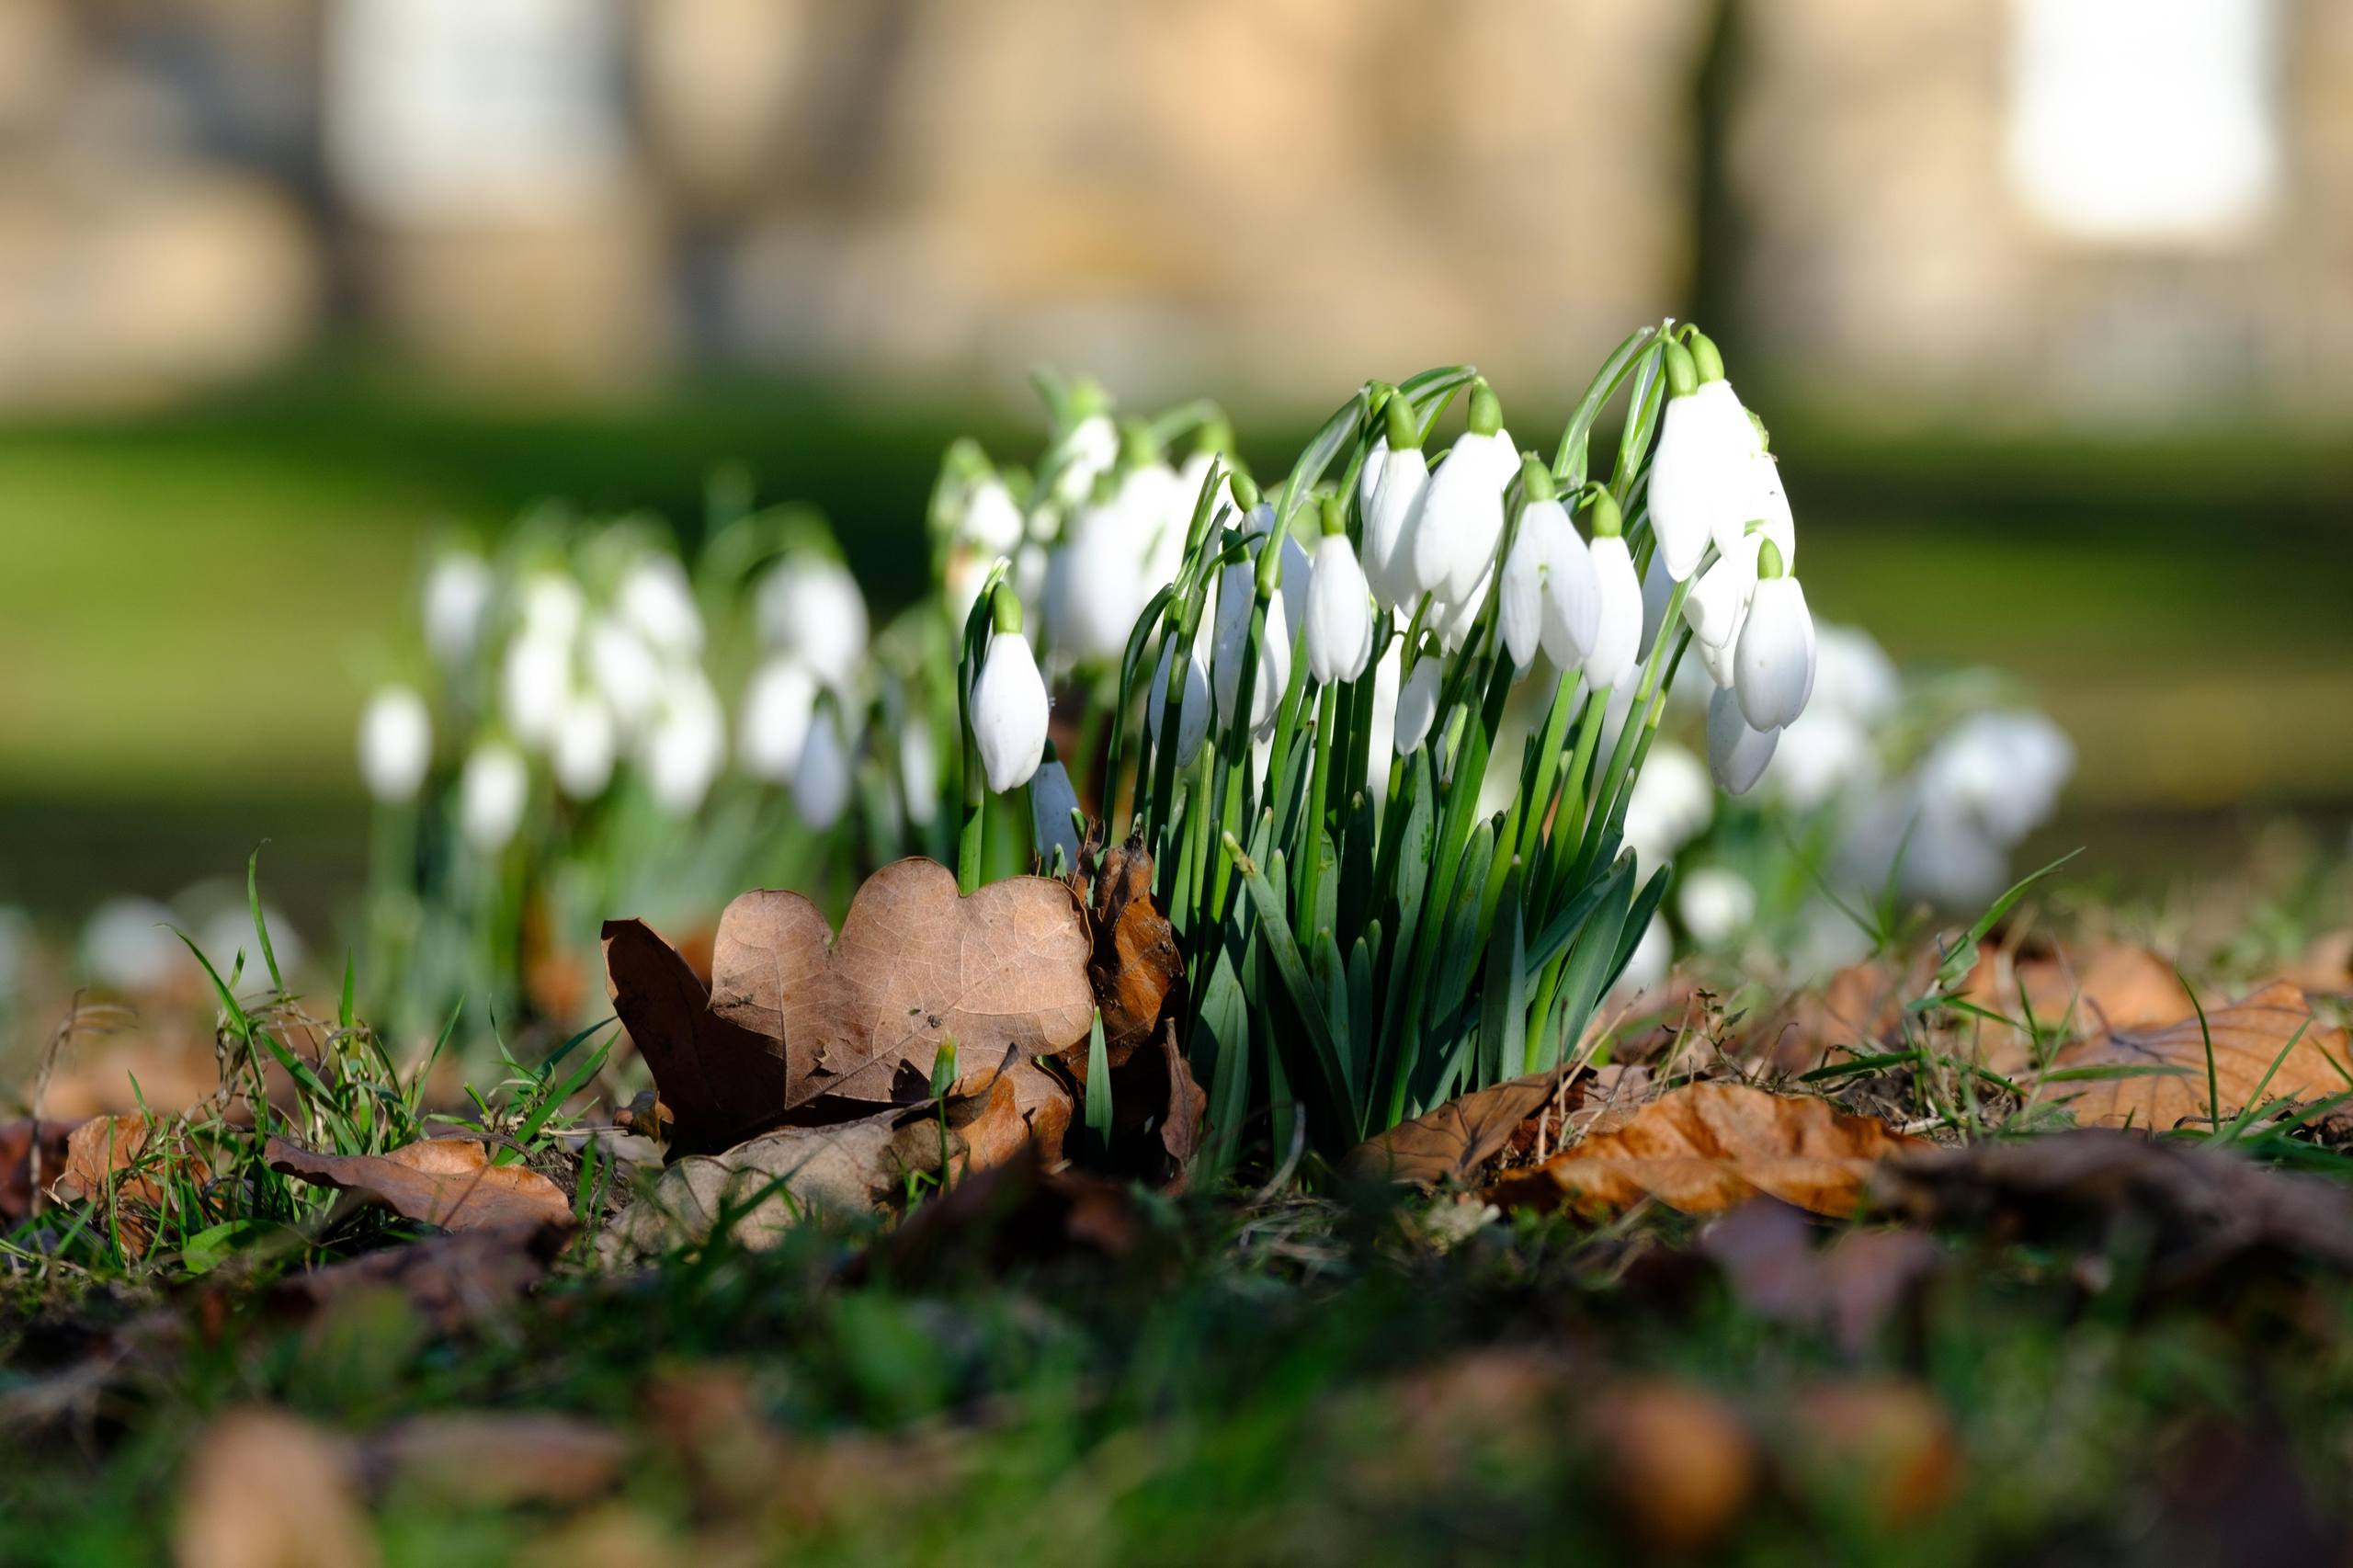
1823, 755
1551, 596
1086, 454
1417, 704
681, 753
457, 607
395, 744
1388, 493
1703, 484
1853, 675
1463, 510
1237, 594
1376, 457
1051, 826
1717, 905
1738, 752
1659, 588
624, 671
1157, 510
552, 607
656, 601
1617, 625
1669, 805
1098, 586
1009, 707
491, 791
128, 944
919, 771
1456, 621
778, 702
1299, 567
1193, 704
535, 683
821, 781
1340, 605
992, 521
1388, 676
810, 607
2001, 772
1773, 671
582, 752
1717, 658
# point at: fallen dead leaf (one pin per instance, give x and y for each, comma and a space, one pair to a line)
1185, 1124
1452, 1146
1705, 1147
2326, 967
450, 1281
485, 1458
17, 1171
1682, 1463
264, 1489
1134, 962
447, 1182
1886, 1441
719, 1082
1019, 1213
1859, 1010
2253, 1060
100, 1157
1766, 1251
2196, 1209
2112, 986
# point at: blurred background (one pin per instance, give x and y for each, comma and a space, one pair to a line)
2049, 304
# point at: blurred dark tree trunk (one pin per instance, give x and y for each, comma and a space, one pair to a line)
1716, 238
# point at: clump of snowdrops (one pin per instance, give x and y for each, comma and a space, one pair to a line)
1301, 691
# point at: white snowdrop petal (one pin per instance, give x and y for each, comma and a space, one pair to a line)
1339, 613
1009, 712
395, 744
1618, 630
1417, 704
1738, 752
1773, 670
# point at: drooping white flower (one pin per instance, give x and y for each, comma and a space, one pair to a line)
919, 771
1738, 752
1618, 628
1417, 703
1340, 610
1718, 602
1668, 805
1392, 519
1717, 658
492, 789
625, 672
810, 607
656, 601
1458, 619
821, 778
1087, 451
395, 744
682, 751
1053, 829
1158, 509
1853, 675
1299, 567
1009, 708
1703, 484
1193, 707
1369, 476
1236, 595
1823, 754
1551, 596
779, 701
552, 607
1773, 671
128, 945
580, 755
2000, 771
1463, 510
457, 606
1098, 585
535, 683
1388, 676
1717, 905
992, 521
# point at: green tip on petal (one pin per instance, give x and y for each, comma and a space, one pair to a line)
1088, 398
1486, 409
1136, 445
1215, 436
1245, 490
1335, 520
1535, 479
1404, 429
1005, 610
1768, 561
1709, 363
1682, 374
1608, 522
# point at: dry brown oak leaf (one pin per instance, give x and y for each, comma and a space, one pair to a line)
1706, 1147
1454, 1142
2253, 1060
447, 1182
915, 965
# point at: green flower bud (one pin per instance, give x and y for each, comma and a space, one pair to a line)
1245, 490
1005, 608
1682, 374
1335, 520
1404, 429
1768, 561
1486, 409
1535, 479
1704, 358
1608, 521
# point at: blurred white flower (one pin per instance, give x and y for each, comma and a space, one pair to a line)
810, 607
1297, 578
457, 593
535, 685
1853, 675
777, 703
1009, 712
992, 523
493, 789
920, 770
1091, 448
128, 944
229, 933
1648, 963
1670, 804
395, 744
626, 674
581, 754
1823, 755
1717, 905
657, 601
821, 781
681, 753
552, 607
1098, 585
1738, 753
2001, 772
1051, 829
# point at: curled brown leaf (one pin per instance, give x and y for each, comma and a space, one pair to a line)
447, 1182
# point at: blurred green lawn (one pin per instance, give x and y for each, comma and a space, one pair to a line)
191, 605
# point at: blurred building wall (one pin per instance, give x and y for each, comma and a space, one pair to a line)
2093, 211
